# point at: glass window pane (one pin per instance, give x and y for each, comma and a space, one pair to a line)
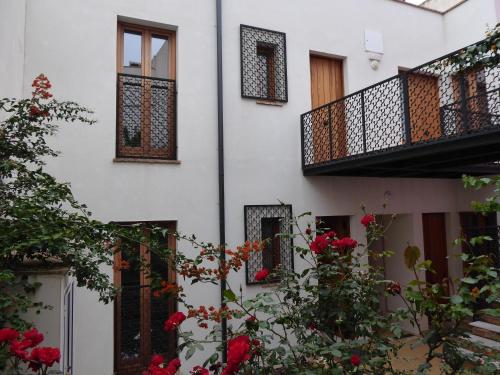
159, 57
132, 52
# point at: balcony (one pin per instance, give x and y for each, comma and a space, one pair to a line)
441, 119
146, 117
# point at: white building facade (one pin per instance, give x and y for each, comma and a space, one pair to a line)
172, 175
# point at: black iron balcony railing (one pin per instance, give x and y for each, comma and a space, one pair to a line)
146, 117
391, 126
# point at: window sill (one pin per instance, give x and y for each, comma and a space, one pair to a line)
270, 102
145, 161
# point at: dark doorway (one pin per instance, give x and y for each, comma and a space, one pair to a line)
434, 227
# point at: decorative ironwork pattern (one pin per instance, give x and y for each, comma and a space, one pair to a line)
146, 117
253, 232
450, 97
263, 64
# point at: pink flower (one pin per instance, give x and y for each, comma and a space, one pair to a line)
174, 321
367, 220
262, 274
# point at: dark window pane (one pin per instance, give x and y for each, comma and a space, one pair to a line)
271, 256
131, 102
130, 308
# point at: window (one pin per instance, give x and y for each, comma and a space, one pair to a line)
139, 315
265, 223
146, 93
339, 224
263, 64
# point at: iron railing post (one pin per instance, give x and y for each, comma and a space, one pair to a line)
330, 136
302, 143
406, 109
463, 102
363, 120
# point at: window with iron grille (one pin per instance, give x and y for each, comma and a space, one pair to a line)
266, 222
263, 64
146, 93
140, 312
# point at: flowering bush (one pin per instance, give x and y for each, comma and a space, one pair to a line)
18, 349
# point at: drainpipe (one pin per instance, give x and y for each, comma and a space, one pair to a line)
220, 133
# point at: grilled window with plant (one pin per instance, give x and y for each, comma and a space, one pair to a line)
268, 223
146, 93
263, 64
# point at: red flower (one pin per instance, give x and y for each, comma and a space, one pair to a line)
198, 370
355, 360
44, 356
393, 288
367, 220
173, 366
157, 360
174, 321
319, 244
345, 243
18, 348
8, 334
33, 335
238, 350
308, 231
262, 274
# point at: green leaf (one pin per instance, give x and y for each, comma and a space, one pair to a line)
456, 299
411, 254
229, 295
469, 280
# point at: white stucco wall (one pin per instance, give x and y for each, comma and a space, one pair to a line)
262, 143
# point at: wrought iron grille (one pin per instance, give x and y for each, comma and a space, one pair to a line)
448, 98
146, 117
254, 215
263, 64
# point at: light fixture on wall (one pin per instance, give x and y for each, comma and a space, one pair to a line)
374, 47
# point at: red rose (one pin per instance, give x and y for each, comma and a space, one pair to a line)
393, 288
8, 334
308, 231
174, 321
262, 274
319, 244
345, 243
238, 350
44, 356
18, 348
198, 370
367, 220
355, 360
173, 366
33, 335
157, 360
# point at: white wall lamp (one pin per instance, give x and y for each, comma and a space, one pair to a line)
374, 47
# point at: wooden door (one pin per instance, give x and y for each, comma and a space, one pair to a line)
476, 98
329, 128
435, 246
423, 93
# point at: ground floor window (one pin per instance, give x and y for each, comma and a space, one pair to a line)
140, 313
265, 223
